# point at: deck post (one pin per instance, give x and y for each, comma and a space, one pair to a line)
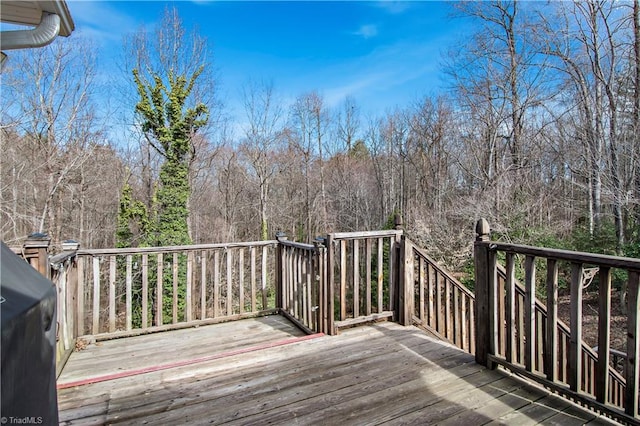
482, 291
36, 251
280, 236
406, 292
330, 272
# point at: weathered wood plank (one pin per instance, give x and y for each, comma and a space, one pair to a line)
385, 373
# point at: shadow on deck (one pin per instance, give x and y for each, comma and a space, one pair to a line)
265, 371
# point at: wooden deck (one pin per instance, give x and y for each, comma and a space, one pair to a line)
264, 371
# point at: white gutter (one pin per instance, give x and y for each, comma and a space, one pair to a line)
43, 34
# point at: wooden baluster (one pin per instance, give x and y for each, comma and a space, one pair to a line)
421, 284
189, 289
343, 280
632, 368
229, 279
112, 294
380, 274
604, 316
551, 348
128, 295
575, 349
80, 330
530, 307
356, 278
174, 310
254, 304
510, 308
241, 279
95, 329
145, 290
217, 308
265, 253
159, 291
203, 284
368, 249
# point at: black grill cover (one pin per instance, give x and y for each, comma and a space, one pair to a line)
28, 371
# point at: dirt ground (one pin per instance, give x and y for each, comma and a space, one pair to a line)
590, 319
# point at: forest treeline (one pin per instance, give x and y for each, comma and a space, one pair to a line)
538, 133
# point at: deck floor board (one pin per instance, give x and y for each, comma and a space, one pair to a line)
378, 374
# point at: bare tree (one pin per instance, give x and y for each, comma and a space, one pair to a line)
309, 125
263, 140
55, 121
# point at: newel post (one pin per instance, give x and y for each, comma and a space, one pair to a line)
482, 293
36, 252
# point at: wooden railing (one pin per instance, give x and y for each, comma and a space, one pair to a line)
435, 300
302, 295
362, 277
517, 331
137, 290
347, 279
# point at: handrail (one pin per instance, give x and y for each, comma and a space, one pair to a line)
517, 331
166, 249
570, 256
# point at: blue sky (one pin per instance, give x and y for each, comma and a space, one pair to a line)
384, 54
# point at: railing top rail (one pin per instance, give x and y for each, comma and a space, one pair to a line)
294, 244
142, 250
62, 257
365, 234
572, 256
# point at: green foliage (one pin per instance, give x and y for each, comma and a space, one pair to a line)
602, 241
132, 213
359, 150
469, 279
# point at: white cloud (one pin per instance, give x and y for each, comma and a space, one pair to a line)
102, 21
367, 31
393, 7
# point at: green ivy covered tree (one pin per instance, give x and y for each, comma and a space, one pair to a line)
169, 126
